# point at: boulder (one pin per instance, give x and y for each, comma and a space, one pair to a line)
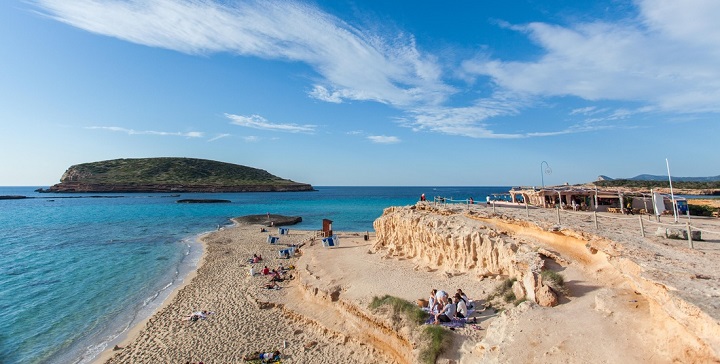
530, 285
518, 290
678, 233
546, 297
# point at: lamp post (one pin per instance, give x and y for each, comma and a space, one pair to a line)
547, 170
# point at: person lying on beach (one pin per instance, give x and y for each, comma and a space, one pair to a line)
199, 315
264, 356
279, 278
271, 285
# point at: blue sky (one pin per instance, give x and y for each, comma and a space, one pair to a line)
364, 92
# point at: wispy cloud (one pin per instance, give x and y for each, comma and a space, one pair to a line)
218, 137
191, 134
664, 58
259, 122
383, 139
251, 139
661, 58
355, 64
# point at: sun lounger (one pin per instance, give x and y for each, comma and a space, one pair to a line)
331, 241
272, 239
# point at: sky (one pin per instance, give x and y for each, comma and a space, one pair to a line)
364, 93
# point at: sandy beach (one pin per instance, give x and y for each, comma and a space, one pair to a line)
622, 290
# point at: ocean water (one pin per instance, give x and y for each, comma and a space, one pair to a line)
77, 270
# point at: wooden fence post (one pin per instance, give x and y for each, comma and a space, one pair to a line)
558, 215
595, 219
689, 232
527, 212
642, 229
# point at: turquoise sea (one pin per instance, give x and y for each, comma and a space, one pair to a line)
77, 270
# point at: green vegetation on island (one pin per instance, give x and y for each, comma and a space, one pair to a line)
646, 184
170, 174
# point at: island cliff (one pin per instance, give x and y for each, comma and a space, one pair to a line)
170, 175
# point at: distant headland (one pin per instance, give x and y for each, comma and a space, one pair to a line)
170, 175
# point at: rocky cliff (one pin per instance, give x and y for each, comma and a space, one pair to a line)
456, 244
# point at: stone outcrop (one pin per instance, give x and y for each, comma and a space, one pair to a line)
457, 244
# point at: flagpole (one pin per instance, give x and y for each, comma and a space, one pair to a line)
672, 196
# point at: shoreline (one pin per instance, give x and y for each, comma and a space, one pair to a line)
131, 332
323, 315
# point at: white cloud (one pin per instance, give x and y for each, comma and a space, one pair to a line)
191, 134
359, 65
251, 139
321, 93
666, 58
383, 139
663, 59
259, 122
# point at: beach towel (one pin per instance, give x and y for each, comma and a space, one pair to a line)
456, 323
283, 231
272, 239
331, 241
252, 359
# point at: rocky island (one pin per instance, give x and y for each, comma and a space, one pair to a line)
170, 175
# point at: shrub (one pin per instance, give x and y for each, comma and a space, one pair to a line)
701, 210
509, 296
438, 341
437, 337
410, 310
554, 280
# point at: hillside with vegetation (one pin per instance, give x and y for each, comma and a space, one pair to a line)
648, 184
170, 175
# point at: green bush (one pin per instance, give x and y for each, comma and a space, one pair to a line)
438, 337
438, 340
400, 306
509, 296
554, 280
701, 210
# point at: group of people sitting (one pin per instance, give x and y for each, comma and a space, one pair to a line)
446, 308
255, 259
277, 275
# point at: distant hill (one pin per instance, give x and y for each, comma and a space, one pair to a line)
683, 185
170, 175
650, 177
